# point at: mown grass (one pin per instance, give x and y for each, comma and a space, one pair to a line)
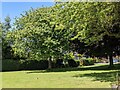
97, 76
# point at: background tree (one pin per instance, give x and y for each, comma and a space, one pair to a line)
6, 48
0, 40
92, 23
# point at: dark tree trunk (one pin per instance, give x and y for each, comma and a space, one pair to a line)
50, 63
111, 60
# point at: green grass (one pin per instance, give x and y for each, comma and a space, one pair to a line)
98, 76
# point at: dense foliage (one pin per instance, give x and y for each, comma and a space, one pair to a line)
14, 65
90, 28
95, 27
7, 52
37, 35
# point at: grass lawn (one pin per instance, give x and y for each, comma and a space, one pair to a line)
85, 77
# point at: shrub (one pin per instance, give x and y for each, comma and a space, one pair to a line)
87, 61
91, 61
73, 63
77, 62
34, 65
23, 64
10, 65
59, 63
43, 64
66, 65
53, 64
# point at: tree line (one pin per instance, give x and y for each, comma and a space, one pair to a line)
90, 28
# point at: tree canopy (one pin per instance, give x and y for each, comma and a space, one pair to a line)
48, 32
38, 36
95, 24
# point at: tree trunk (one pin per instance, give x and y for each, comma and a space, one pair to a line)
50, 63
111, 60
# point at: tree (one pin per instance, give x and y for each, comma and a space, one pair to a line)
0, 33
37, 35
0, 41
93, 23
6, 48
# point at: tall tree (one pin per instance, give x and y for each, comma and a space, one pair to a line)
92, 23
0, 40
6, 48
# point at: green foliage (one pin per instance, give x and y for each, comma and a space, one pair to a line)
37, 35
45, 33
6, 25
73, 63
33, 64
59, 63
0, 40
97, 60
69, 56
0, 29
15, 65
10, 65
77, 62
90, 59
87, 61
89, 21
7, 52
96, 24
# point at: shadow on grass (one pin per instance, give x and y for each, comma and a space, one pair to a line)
101, 67
103, 76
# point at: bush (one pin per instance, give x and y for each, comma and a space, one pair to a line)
77, 62
73, 63
66, 65
91, 61
10, 65
34, 65
59, 63
87, 61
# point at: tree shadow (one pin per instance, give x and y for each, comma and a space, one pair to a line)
103, 76
102, 67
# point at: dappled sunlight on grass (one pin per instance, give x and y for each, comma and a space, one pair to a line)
83, 68
109, 76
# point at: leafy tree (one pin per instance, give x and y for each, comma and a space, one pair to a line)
95, 24
37, 35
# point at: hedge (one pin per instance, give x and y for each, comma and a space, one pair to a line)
14, 65
10, 65
33, 65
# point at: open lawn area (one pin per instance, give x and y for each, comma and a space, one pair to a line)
83, 77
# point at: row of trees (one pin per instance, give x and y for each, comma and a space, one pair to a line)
49, 33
